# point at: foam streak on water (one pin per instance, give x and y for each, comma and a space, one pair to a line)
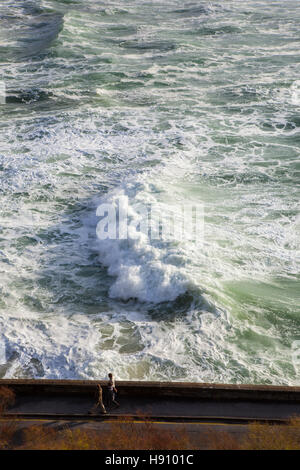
161, 102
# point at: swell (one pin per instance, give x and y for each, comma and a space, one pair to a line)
27, 30
142, 269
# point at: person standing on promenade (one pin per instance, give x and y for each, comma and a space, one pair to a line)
112, 391
99, 401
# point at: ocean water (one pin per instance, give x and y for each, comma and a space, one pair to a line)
160, 101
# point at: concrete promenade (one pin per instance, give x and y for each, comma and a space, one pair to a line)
159, 401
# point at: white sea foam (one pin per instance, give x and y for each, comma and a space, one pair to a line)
144, 269
210, 119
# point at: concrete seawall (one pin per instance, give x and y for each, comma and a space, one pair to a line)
159, 401
197, 408
158, 390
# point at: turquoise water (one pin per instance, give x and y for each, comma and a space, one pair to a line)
195, 102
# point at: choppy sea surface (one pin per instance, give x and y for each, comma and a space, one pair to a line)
161, 101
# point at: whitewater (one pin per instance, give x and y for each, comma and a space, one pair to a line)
186, 103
